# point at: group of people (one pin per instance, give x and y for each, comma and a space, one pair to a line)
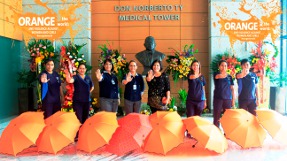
158, 89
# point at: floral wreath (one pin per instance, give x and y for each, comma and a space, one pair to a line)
118, 60
233, 63
179, 63
262, 60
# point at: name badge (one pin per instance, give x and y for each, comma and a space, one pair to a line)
113, 82
134, 87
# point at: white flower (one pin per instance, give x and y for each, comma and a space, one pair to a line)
83, 55
175, 108
68, 53
70, 57
79, 59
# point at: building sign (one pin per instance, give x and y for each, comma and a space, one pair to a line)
247, 21
144, 12
50, 24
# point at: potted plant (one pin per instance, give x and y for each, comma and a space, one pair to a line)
278, 91
27, 98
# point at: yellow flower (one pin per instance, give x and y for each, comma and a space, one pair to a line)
170, 109
70, 103
77, 64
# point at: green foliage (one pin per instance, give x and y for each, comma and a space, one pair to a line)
26, 78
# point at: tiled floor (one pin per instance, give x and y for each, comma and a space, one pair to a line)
271, 151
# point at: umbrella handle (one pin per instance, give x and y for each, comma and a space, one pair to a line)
193, 146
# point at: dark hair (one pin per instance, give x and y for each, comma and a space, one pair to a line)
222, 61
132, 61
105, 61
243, 61
191, 70
82, 64
48, 60
156, 61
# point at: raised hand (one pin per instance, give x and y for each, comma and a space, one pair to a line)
150, 74
129, 77
44, 78
98, 74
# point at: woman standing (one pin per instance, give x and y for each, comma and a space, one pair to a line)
159, 87
223, 96
51, 89
134, 89
109, 90
83, 87
196, 100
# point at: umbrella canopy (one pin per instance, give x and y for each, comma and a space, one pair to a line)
133, 130
243, 128
21, 132
274, 123
206, 133
97, 131
60, 130
167, 133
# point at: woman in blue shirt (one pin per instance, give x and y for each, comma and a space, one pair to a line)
196, 100
83, 86
51, 89
248, 98
134, 89
223, 96
109, 90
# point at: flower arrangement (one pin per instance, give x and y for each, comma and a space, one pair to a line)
40, 50
233, 63
179, 63
171, 107
70, 60
145, 109
94, 108
118, 60
262, 60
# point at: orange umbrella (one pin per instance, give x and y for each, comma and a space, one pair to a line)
97, 131
206, 133
167, 133
274, 123
133, 129
61, 129
243, 128
22, 132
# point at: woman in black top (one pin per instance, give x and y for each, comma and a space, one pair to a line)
109, 89
159, 87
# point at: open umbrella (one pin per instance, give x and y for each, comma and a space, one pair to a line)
133, 130
274, 123
167, 133
60, 130
206, 133
97, 131
21, 132
243, 128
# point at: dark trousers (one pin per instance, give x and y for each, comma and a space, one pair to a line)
82, 110
109, 105
248, 105
131, 106
218, 106
50, 108
194, 108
